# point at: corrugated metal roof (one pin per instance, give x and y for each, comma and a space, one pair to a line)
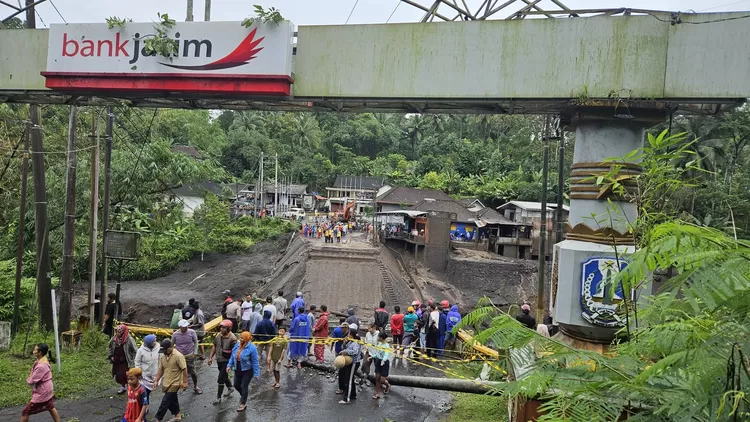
410, 213
410, 196
531, 206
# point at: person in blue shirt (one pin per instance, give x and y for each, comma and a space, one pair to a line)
454, 318
244, 362
297, 303
340, 332
443, 326
299, 333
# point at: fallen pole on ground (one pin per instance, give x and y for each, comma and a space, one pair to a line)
430, 383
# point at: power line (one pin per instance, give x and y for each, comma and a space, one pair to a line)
398, 3
352, 11
58, 12
724, 5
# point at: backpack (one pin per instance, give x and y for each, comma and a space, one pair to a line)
224, 309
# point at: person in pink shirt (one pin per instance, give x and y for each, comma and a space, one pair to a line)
40, 380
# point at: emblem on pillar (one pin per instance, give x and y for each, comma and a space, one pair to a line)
600, 298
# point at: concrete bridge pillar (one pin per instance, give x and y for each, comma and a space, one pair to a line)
587, 307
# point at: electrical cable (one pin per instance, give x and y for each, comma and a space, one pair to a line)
398, 3
352, 11
58, 12
723, 5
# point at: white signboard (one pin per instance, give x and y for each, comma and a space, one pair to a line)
204, 48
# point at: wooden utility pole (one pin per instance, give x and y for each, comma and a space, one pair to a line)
189, 17
21, 231
207, 11
43, 279
105, 208
540, 302
69, 228
94, 215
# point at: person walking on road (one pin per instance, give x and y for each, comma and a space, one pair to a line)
185, 340
244, 362
269, 306
340, 332
320, 331
352, 349
110, 313
454, 318
246, 310
147, 359
222, 350
276, 355
280, 303
173, 374
433, 330
382, 363
299, 335
234, 313
198, 323
42, 390
122, 351
137, 406
255, 318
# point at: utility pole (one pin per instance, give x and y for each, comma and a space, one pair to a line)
207, 11
94, 216
276, 188
105, 208
69, 228
560, 186
262, 188
543, 226
21, 230
40, 203
189, 17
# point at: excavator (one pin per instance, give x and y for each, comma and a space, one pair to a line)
349, 211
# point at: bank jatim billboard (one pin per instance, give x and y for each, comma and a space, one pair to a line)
210, 57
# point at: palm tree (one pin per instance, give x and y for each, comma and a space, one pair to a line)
701, 133
416, 127
305, 131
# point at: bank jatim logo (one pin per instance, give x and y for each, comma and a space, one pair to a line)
118, 47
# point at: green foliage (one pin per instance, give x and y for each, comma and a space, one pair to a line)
474, 407
116, 22
160, 43
7, 289
271, 15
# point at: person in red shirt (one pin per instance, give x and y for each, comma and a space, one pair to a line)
320, 331
137, 398
397, 329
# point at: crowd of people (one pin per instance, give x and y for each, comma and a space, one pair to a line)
254, 334
330, 231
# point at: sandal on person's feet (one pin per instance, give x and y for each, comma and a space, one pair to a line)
387, 389
229, 392
376, 397
217, 401
343, 402
277, 385
339, 391
197, 391
242, 408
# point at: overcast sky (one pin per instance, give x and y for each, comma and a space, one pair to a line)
319, 12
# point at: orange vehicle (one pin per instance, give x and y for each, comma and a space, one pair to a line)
349, 211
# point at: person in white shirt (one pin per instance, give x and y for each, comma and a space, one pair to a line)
269, 307
247, 311
147, 358
371, 340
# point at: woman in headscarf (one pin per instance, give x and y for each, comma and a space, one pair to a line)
147, 358
244, 361
122, 350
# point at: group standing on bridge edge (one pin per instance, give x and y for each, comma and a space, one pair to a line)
251, 336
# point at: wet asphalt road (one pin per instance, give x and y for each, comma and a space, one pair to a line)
305, 394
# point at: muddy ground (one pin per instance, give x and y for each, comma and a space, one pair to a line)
152, 301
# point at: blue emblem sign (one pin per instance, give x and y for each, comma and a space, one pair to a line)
600, 299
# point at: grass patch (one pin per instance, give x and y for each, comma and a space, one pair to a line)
82, 372
476, 407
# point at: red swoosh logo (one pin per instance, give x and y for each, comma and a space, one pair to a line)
244, 52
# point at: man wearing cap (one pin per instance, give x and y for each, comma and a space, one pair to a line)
185, 340
173, 376
280, 303
410, 320
525, 317
147, 358
222, 350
